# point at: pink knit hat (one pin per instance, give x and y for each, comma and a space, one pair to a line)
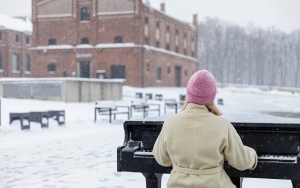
201, 88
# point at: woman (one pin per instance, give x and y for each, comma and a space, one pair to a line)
196, 141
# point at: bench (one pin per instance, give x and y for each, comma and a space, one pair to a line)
220, 101
139, 95
148, 96
23, 117
181, 99
158, 97
171, 103
111, 111
59, 116
41, 117
144, 108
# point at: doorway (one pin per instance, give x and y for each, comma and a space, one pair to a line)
84, 69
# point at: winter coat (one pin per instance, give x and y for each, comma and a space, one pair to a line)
195, 142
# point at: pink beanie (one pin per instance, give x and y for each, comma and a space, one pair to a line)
201, 88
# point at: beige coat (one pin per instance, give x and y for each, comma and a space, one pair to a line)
196, 142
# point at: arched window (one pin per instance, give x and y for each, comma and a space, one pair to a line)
85, 40
118, 39
85, 14
51, 67
52, 41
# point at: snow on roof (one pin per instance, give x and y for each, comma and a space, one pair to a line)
15, 24
113, 45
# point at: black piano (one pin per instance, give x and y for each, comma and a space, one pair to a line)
275, 139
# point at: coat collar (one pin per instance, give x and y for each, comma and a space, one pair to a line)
198, 107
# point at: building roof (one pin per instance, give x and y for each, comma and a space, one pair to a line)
15, 24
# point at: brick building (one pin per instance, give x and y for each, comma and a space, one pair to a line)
15, 41
124, 39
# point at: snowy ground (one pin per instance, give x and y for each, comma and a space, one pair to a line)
83, 153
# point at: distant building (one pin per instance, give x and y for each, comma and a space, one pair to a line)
15, 41
112, 39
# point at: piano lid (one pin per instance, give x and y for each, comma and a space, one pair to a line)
238, 119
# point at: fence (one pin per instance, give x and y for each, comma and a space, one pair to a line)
62, 89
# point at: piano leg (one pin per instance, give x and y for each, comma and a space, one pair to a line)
238, 182
296, 184
153, 180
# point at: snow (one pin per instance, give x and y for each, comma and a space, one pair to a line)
15, 24
84, 154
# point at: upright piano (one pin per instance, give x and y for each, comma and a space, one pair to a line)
275, 139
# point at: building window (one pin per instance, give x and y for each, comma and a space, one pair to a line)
51, 67
176, 38
15, 62
85, 14
1, 61
27, 63
167, 37
157, 44
146, 30
85, 40
169, 70
157, 34
158, 73
118, 71
185, 41
118, 39
148, 67
146, 41
193, 45
146, 27
1, 37
52, 41
27, 40
167, 46
16, 38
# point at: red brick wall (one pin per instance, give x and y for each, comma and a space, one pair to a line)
8, 47
102, 30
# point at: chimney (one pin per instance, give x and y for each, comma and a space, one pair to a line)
195, 19
162, 7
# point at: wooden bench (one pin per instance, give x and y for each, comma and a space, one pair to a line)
171, 103
23, 117
59, 116
144, 108
111, 111
181, 99
41, 117
220, 101
158, 97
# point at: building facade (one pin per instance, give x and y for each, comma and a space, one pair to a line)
15, 42
112, 39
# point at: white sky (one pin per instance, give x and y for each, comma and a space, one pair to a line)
282, 14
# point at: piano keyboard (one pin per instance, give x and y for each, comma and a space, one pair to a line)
261, 158
278, 158
143, 154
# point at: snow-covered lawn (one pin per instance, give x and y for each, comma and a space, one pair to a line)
84, 154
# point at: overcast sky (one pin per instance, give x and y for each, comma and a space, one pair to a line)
281, 14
